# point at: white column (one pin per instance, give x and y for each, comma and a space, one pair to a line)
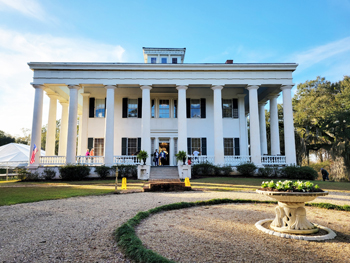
218, 128
242, 126
72, 124
171, 150
146, 122
36, 124
51, 127
83, 128
255, 151
181, 119
109, 136
79, 151
262, 122
62, 146
274, 127
289, 139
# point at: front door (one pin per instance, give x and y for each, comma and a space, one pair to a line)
164, 147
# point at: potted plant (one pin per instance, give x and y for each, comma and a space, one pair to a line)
142, 155
181, 156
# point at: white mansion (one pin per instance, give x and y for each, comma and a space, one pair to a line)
163, 104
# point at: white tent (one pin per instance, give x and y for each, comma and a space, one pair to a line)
15, 154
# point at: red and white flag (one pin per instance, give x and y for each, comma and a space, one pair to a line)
35, 150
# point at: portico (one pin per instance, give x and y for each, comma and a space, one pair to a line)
127, 107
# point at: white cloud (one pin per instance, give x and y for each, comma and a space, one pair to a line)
16, 50
29, 8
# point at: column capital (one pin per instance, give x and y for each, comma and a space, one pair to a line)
241, 95
146, 87
86, 94
251, 87
284, 87
110, 87
52, 95
262, 103
77, 87
214, 87
182, 87
273, 96
38, 86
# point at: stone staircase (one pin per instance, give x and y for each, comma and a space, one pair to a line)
164, 178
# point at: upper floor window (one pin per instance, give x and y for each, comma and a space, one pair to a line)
230, 108
132, 108
164, 60
195, 108
164, 109
153, 60
174, 60
100, 108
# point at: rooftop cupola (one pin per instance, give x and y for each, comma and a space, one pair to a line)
163, 55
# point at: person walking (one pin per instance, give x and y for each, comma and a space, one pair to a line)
324, 174
162, 156
92, 153
155, 157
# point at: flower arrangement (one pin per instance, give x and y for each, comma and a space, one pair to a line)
290, 186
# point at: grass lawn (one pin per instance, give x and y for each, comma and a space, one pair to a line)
15, 192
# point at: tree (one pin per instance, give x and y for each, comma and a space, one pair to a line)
5, 138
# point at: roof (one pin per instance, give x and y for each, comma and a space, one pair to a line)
15, 153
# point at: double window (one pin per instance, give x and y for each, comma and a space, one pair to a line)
131, 146
230, 108
196, 108
164, 109
197, 144
97, 144
231, 146
132, 108
97, 108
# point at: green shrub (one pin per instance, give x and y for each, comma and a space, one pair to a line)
129, 171
25, 175
226, 170
103, 171
246, 169
295, 172
266, 172
205, 169
49, 174
74, 172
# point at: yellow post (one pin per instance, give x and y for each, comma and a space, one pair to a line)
124, 183
187, 182
116, 180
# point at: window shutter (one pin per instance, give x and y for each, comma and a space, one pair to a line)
139, 108
237, 152
92, 108
138, 144
203, 110
188, 108
235, 108
125, 107
90, 143
189, 146
105, 107
124, 145
204, 146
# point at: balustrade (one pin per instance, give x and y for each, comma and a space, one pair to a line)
52, 160
273, 160
90, 160
236, 160
126, 159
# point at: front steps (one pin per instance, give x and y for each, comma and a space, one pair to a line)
164, 178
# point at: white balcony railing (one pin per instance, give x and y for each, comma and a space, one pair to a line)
126, 159
52, 160
90, 160
236, 160
273, 160
201, 159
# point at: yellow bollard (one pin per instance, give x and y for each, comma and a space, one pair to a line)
116, 180
187, 182
124, 183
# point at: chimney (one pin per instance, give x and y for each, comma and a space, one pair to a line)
229, 61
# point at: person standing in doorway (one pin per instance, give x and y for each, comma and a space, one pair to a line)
156, 157
162, 157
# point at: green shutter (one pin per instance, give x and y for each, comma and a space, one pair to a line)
124, 145
204, 146
237, 151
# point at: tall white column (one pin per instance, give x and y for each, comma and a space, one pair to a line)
182, 119
274, 127
51, 127
109, 136
218, 128
62, 146
242, 126
289, 139
171, 150
255, 151
83, 128
72, 124
79, 152
262, 121
36, 124
146, 122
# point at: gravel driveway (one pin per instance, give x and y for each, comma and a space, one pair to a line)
80, 229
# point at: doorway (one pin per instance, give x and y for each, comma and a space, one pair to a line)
164, 146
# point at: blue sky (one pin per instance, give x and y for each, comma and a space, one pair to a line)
313, 33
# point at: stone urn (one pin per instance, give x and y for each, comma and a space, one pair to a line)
290, 212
